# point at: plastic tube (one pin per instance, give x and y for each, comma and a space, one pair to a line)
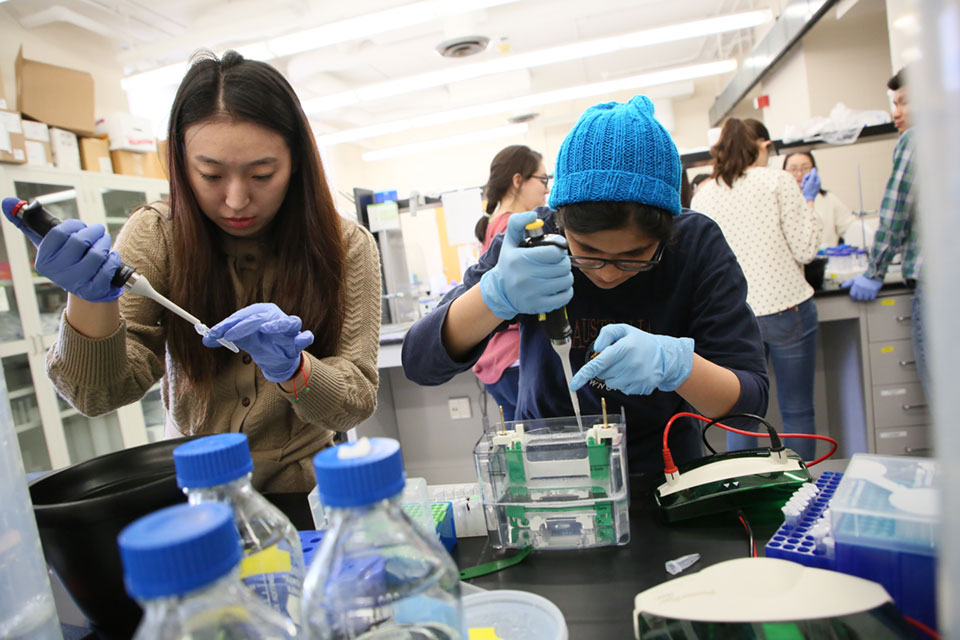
676, 566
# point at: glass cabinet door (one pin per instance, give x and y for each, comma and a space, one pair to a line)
61, 201
89, 437
153, 413
26, 413
117, 205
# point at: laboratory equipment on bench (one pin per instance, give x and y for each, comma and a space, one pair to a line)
377, 575
182, 565
218, 469
547, 484
763, 598
27, 610
555, 323
729, 480
40, 221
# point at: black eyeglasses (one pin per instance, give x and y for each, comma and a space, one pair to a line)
544, 179
633, 266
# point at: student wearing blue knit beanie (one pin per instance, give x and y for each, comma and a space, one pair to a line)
652, 288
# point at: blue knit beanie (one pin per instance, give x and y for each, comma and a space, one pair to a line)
618, 151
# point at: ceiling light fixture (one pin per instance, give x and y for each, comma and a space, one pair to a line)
663, 76
444, 143
346, 30
563, 53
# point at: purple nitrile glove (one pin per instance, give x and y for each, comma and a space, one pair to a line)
526, 280
271, 337
17, 221
636, 362
862, 288
77, 258
811, 185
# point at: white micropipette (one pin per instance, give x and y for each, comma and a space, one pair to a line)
139, 285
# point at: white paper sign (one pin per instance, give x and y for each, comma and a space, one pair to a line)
383, 216
462, 209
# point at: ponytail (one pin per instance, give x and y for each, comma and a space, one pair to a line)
737, 149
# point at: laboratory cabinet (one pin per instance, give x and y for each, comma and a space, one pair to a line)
51, 433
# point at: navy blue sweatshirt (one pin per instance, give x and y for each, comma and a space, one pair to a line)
697, 291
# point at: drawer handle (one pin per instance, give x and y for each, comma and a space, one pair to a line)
908, 363
908, 407
917, 449
903, 318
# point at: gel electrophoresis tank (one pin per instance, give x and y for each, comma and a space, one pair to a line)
549, 485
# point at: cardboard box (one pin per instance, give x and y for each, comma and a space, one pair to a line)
162, 154
12, 150
95, 155
59, 96
37, 143
134, 163
66, 150
127, 132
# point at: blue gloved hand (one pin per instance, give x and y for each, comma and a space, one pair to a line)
636, 362
8, 205
272, 338
526, 280
77, 258
811, 185
862, 288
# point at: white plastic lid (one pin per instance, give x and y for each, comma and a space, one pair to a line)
515, 615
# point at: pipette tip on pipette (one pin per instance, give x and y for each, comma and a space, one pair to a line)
203, 330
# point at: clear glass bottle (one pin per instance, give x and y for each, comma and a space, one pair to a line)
217, 469
376, 576
27, 610
182, 564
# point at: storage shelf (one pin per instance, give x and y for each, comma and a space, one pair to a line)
27, 426
876, 132
19, 393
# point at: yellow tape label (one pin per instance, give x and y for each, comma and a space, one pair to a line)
886, 350
270, 560
888, 302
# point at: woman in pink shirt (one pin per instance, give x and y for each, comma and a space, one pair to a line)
517, 183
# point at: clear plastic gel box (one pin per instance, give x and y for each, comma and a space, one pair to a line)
549, 485
888, 502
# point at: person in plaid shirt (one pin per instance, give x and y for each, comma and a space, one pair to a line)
897, 232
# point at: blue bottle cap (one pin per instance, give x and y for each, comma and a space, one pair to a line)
356, 474
178, 549
213, 460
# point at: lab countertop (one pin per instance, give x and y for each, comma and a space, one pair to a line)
593, 588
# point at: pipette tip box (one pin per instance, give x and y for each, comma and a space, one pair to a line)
550, 485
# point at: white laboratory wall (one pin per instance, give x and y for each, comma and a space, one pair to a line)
786, 84
860, 41
66, 46
903, 26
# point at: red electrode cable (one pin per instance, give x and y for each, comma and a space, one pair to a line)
670, 468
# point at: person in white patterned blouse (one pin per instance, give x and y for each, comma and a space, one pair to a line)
773, 232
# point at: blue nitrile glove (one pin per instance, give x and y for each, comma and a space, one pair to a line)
636, 362
8, 205
272, 338
526, 280
862, 288
77, 258
811, 185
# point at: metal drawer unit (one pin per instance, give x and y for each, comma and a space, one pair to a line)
900, 414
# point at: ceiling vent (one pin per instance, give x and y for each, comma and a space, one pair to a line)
463, 46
